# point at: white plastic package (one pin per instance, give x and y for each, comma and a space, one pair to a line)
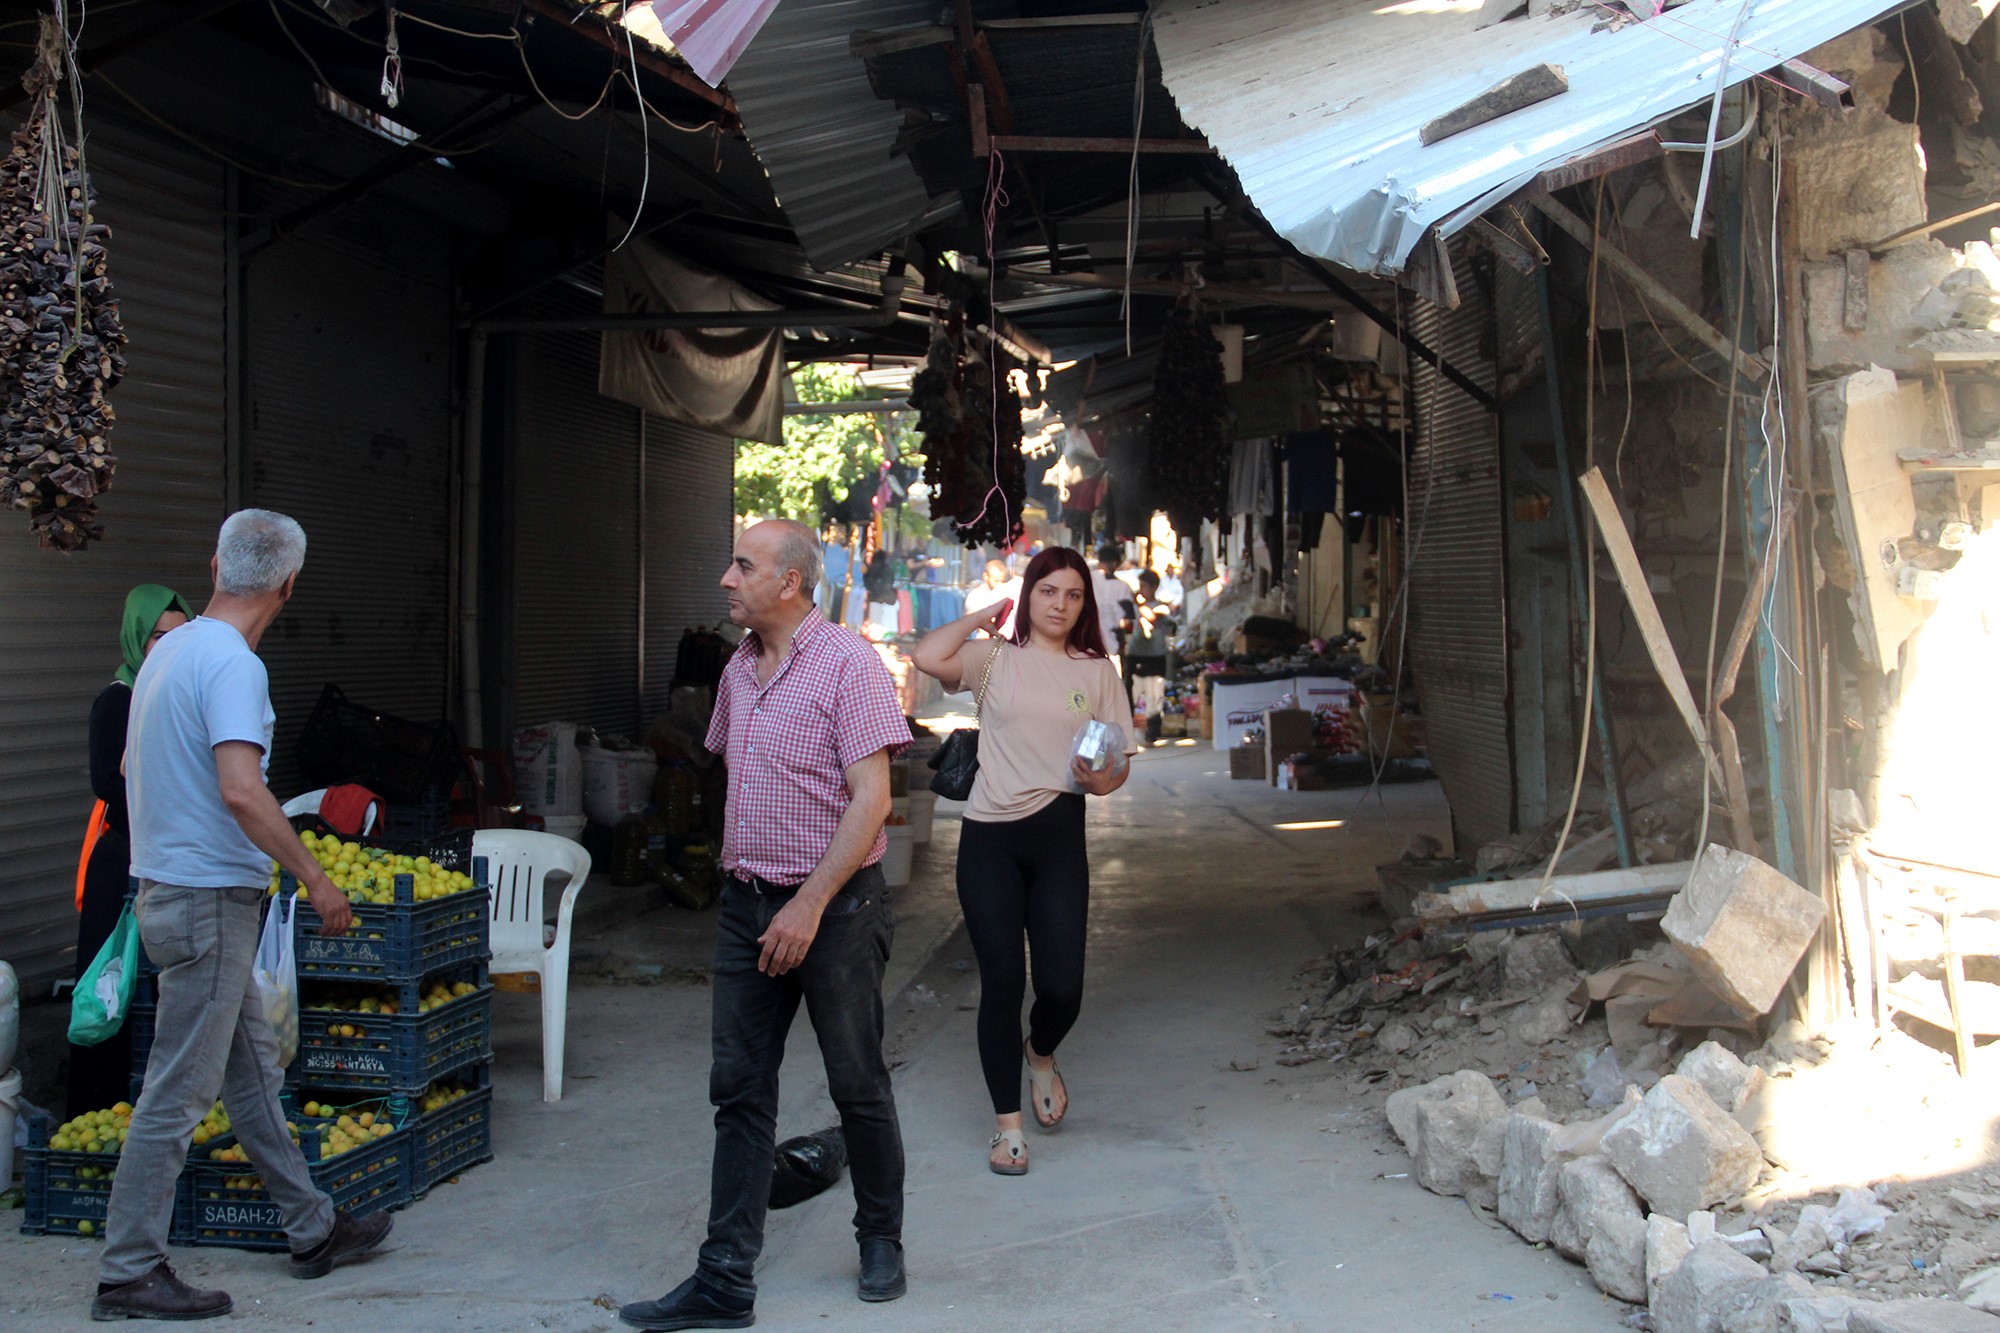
1096, 744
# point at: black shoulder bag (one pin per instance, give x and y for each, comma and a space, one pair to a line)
956, 762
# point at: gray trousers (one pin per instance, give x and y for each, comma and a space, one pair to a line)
211, 1037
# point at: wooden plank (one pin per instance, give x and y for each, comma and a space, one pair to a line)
1873, 502
1857, 937
1516, 92
1652, 629
863, 45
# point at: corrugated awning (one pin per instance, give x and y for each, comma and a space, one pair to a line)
1318, 104
711, 34
827, 142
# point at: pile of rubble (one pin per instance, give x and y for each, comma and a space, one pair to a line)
1673, 1168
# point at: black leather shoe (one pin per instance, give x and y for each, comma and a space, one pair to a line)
882, 1277
351, 1238
159, 1295
693, 1304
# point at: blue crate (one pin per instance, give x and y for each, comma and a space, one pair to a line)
455, 1137
395, 942
66, 1191
413, 821
401, 1053
225, 1204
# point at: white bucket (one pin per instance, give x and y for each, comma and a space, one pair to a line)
899, 808
896, 861
923, 810
10, 1096
566, 826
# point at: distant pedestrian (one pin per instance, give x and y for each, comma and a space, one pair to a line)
808, 721
205, 829
1023, 868
101, 1076
996, 585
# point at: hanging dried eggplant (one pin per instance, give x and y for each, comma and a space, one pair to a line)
61, 342
1190, 446
977, 480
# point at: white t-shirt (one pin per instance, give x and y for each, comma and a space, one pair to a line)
982, 597
200, 686
1111, 593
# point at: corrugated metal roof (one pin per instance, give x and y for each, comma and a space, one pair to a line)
821, 132
1317, 104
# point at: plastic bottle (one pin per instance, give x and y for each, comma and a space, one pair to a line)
628, 851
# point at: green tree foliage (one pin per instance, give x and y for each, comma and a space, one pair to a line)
782, 482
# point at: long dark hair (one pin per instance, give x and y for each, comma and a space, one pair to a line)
1086, 636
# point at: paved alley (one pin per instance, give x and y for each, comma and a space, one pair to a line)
1182, 1194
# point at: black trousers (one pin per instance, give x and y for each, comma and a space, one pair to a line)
1026, 880
840, 982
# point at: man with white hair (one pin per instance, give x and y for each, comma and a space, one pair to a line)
807, 717
205, 830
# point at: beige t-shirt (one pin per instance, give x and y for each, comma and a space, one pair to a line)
1034, 705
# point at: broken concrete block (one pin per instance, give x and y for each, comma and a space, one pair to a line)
1440, 1123
1534, 963
1489, 1155
1920, 1315
1529, 1165
1742, 925
1693, 1298
1759, 1308
1974, 1204
1590, 1194
1866, 60
1727, 1080
1807, 1239
1751, 1245
1395, 1037
1961, 18
1681, 1152
1852, 175
1815, 1314
1615, 1254
1537, 83
1666, 1246
1542, 1021
1981, 1290
1896, 283
1498, 11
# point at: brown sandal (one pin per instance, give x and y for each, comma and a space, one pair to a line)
1042, 1091
1016, 1163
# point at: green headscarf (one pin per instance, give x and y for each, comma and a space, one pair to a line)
144, 606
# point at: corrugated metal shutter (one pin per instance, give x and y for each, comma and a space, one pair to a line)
690, 497
576, 533
350, 432
1457, 568
59, 615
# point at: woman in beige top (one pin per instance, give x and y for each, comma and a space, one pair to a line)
1023, 874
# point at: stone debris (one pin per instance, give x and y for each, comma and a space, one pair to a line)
1542, 1021
1974, 1204
1616, 1256
1667, 1245
1728, 1082
1981, 1290
1535, 963
1743, 926
1590, 1194
1529, 1167
1920, 1315
1680, 1152
1816, 1314
1759, 1308
1441, 1125
1694, 1296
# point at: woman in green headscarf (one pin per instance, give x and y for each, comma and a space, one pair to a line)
100, 1076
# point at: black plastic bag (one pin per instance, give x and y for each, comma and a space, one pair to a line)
807, 1165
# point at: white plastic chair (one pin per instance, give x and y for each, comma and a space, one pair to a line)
518, 864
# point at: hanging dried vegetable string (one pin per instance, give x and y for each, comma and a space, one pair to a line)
61, 343
1190, 409
958, 414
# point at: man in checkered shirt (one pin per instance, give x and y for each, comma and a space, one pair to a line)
808, 720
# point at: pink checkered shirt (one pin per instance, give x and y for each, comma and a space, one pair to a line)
789, 744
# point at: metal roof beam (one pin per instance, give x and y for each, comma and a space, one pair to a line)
97, 57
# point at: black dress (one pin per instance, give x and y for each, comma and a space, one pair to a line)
100, 1076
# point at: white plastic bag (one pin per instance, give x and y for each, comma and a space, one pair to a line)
548, 775
10, 1016
1095, 744
276, 976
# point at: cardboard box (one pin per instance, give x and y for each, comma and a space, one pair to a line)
1288, 729
1314, 691
1247, 761
1402, 736
1239, 706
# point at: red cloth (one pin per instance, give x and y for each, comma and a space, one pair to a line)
344, 809
790, 743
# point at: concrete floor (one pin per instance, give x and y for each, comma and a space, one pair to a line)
1182, 1194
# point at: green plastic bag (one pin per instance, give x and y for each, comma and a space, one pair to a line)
104, 991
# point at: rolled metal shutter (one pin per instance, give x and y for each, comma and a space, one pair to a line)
1457, 567
576, 528
350, 432
690, 500
59, 615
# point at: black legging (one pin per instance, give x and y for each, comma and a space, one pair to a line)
1025, 877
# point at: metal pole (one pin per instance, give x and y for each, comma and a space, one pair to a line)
1579, 573
470, 505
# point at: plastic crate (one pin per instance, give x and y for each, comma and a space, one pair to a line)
405, 822
395, 942
143, 1018
67, 1190
225, 1204
396, 759
403, 1052
455, 1137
